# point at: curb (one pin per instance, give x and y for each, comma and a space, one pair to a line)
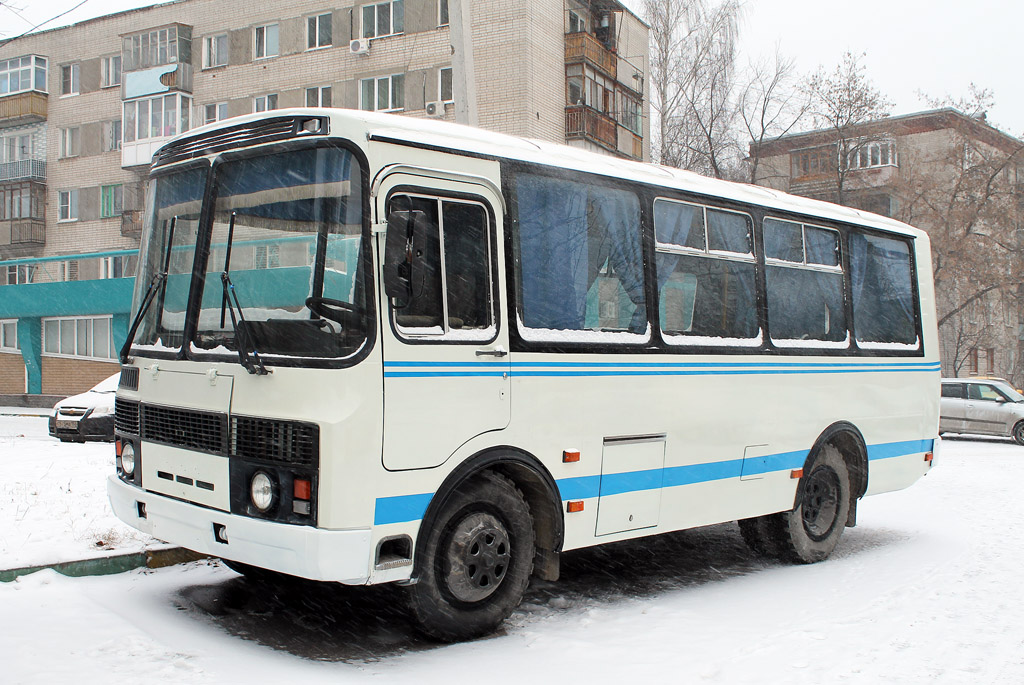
102, 566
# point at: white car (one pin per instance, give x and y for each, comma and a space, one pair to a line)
982, 407
89, 416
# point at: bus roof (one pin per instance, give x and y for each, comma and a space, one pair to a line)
443, 135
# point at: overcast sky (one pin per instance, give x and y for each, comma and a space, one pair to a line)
935, 46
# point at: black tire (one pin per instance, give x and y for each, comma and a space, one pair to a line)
476, 562
1018, 433
812, 529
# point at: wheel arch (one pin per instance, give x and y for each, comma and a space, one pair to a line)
538, 488
846, 438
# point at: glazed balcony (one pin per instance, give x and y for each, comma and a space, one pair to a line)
22, 233
585, 122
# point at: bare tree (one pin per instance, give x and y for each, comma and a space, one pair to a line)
770, 105
693, 52
842, 101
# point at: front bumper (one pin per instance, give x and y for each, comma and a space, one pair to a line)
86, 428
341, 556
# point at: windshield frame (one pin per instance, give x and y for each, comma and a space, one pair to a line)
203, 249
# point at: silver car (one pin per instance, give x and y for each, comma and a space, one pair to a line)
982, 407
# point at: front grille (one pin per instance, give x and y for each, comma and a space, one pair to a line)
242, 135
184, 428
129, 378
272, 440
126, 416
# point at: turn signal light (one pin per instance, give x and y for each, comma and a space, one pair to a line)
928, 456
574, 506
301, 489
569, 456
796, 473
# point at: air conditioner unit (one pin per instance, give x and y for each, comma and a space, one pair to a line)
359, 46
435, 109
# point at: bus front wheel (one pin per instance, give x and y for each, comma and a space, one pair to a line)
477, 561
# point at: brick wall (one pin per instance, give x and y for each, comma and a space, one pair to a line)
64, 376
12, 373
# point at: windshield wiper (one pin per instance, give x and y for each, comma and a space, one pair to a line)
248, 356
151, 292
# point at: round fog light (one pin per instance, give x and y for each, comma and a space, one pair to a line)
128, 459
261, 491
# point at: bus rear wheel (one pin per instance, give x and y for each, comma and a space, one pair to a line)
811, 530
477, 561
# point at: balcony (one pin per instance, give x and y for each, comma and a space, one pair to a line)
583, 122
23, 108
23, 170
584, 47
22, 233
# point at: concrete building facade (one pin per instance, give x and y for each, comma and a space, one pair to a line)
83, 108
952, 175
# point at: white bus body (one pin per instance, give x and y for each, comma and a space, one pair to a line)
617, 384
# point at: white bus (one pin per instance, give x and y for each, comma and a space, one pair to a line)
371, 349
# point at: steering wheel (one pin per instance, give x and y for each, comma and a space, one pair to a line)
335, 310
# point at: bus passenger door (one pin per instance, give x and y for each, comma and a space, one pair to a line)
446, 362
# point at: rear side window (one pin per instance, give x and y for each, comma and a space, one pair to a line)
883, 294
955, 390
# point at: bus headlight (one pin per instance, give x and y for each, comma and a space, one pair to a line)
261, 491
127, 459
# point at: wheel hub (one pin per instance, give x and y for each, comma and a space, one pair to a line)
820, 506
477, 558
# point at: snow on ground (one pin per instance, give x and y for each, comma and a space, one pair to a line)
53, 501
923, 590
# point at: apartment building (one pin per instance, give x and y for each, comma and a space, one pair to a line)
83, 108
952, 175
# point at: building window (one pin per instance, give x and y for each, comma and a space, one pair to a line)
383, 19
111, 71
111, 135
159, 117
867, 155
69, 79
382, 93
265, 103
265, 41
117, 266
16, 148
629, 112
22, 74
442, 12
215, 51
318, 97
111, 201
446, 88
577, 24
9, 335
87, 337
584, 86
70, 142
67, 205
156, 47
318, 31
215, 112
19, 274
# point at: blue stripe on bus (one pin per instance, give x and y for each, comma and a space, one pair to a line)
404, 508
604, 369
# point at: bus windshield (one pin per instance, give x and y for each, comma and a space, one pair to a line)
283, 274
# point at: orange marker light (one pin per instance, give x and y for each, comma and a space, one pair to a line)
928, 456
117, 447
301, 489
796, 473
570, 456
574, 506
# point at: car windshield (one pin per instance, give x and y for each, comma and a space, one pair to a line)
1010, 393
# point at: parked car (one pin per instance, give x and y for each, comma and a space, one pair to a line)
89, 416
981, 406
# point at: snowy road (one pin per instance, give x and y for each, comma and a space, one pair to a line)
924, 590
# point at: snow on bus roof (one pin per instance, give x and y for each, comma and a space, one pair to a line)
446, 135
